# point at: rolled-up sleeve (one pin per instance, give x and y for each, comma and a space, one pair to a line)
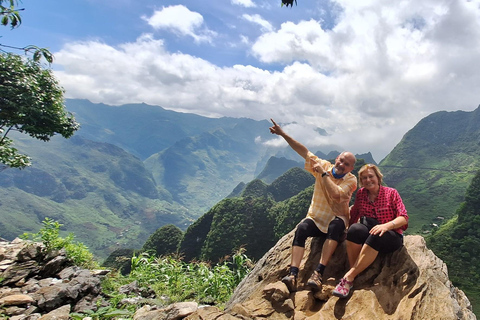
347, 187
400, 207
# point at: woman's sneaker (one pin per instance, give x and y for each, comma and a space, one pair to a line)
343, 289
291, 282
315, 281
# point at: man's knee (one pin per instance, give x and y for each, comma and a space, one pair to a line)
300, 235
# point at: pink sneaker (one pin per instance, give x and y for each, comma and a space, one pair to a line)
342, 290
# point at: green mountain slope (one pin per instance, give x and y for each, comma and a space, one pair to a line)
457, 243
201, 170
96, 190
239, 222
433, 164
243, 221
275, 167
198, 160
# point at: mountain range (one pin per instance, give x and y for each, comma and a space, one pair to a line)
132, 169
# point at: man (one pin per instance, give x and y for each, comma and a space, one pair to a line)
328, 214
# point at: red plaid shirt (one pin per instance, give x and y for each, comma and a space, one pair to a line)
385, 208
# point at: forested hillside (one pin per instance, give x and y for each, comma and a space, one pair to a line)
457, 243
197, 160
96, 190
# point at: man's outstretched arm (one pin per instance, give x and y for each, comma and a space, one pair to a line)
297, 146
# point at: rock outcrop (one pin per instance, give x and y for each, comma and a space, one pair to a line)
42, 285
411, 283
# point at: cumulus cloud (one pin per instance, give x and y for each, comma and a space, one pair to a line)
180, 20
366, 80
145, 71
244, 3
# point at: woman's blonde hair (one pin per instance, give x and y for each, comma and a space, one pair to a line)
374, 168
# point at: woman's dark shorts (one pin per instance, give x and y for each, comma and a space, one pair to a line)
389, 242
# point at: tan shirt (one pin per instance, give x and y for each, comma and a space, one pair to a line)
323, 209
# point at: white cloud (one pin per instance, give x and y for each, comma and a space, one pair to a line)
180, 20
257, 19
303, 41
244, 3
145, 71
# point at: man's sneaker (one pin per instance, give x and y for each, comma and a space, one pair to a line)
315, 280
343, 289
291, 282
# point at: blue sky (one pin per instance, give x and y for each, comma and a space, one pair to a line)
365, 71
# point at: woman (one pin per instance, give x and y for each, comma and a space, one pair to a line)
377, 221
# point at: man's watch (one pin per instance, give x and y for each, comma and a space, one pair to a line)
325, 174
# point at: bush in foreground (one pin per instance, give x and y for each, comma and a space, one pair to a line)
175, 280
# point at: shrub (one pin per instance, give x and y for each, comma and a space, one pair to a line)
76, 252
177, 280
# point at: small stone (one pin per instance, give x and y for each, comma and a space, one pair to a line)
16, 300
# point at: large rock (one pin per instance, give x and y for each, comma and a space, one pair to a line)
38, 283
411, 283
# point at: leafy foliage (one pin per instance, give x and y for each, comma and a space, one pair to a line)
164, 241
288, 2
237, 223
31, 103
10, 156
179, 281
49, 235
9, 13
